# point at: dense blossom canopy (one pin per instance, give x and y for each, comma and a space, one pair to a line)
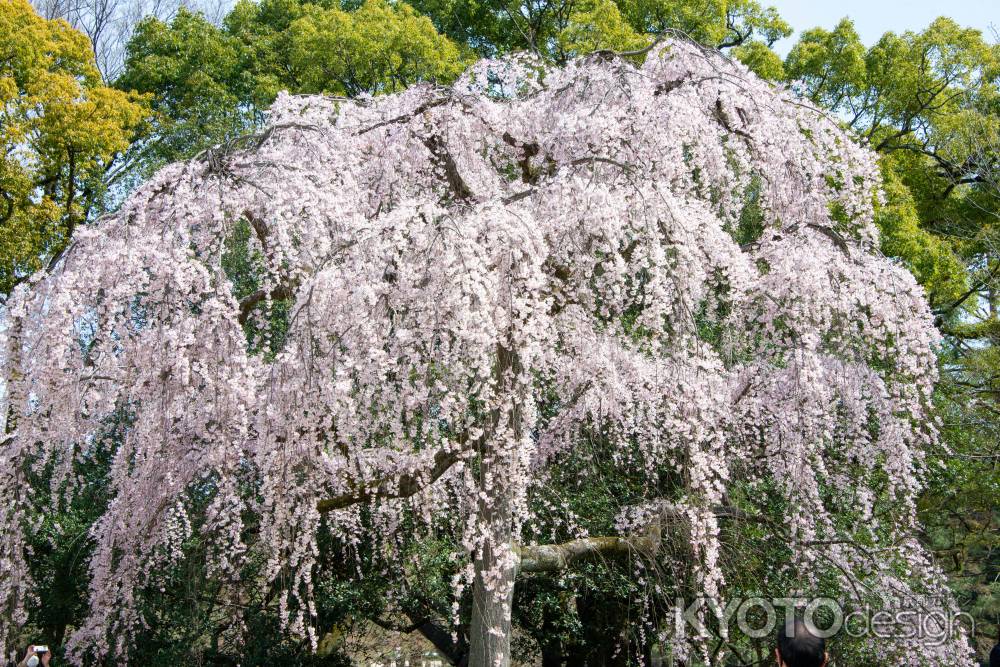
447, 287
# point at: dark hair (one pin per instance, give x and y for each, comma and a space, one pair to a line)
801, 648
995, 656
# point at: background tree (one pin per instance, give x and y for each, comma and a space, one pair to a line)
191, 70
109, 24
495, 27
60, 128
211, 84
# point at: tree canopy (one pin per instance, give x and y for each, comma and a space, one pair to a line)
210, 83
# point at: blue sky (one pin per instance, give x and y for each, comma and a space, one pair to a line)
874, 17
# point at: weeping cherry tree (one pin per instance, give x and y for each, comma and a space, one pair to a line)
448, 288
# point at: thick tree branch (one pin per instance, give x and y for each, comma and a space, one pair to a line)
723, 119
445, 160
282, 291
402, 486
456, 651
528, 150
833, 235
558, 557
259, 228
215, 156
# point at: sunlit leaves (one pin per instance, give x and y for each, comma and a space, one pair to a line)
59, 129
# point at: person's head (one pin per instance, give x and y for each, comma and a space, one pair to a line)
800, 648
995, 655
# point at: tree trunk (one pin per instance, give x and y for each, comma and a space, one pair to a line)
495, 563
13, 481
489, 634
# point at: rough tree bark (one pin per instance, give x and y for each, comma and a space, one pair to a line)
12, 476
492, 598
495, 567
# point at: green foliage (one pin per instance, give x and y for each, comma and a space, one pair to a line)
829, 63
720, 23
597, 24
761, 60
959, 508
559, 29
210, 84
191, 70
61, 548
377, 48
930, 257
266, 322
190, 620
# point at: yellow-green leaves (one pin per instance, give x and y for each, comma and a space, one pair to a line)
59, 128
703, 20
378, 48
597, 24
929, 257
829, 64
761, 60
